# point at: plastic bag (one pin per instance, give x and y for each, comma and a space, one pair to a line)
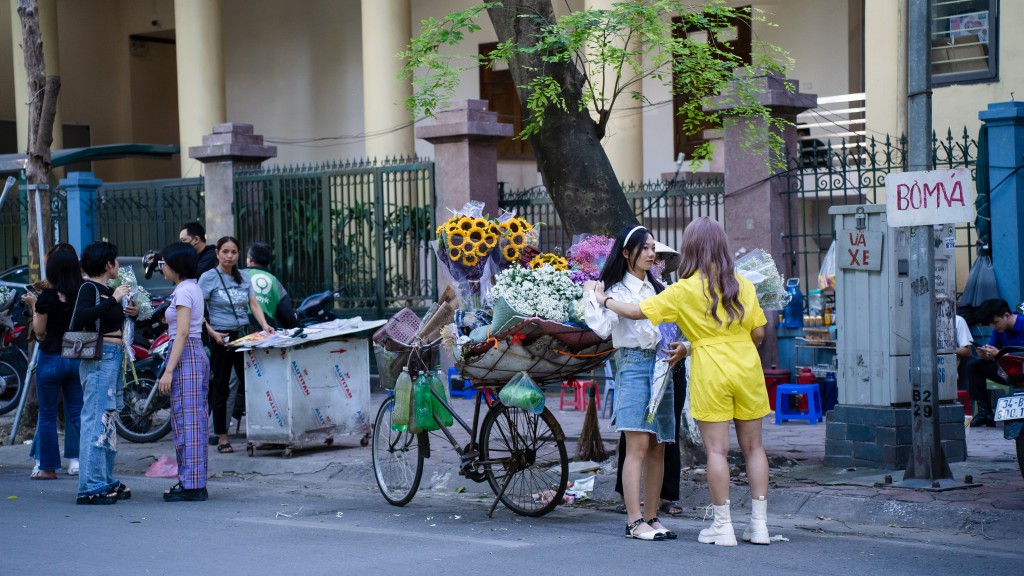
827, 274
163, 467
662, 370
521, 392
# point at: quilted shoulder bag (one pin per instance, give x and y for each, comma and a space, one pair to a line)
82, 345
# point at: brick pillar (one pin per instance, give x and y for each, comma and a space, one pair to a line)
465, 139
81, 188
229, 147
1005, 121
755, 207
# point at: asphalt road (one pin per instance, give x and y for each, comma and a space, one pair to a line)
261, 526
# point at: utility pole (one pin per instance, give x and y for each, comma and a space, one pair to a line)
927, 461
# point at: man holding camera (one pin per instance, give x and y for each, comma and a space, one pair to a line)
194, 235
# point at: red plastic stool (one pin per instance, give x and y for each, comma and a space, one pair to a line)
964, 399
578, 400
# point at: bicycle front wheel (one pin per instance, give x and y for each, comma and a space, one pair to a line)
524, 459
397, 459
10, 387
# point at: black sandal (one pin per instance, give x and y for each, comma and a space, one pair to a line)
123, 492
179, 493
669, 535
225, 448
652, 535
101, 498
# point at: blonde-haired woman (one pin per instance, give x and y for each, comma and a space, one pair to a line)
718, 310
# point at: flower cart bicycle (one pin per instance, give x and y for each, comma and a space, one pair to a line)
521, 455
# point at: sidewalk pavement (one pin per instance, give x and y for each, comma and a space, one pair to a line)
802, 488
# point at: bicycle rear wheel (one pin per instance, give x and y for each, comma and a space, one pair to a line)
524, 459
10, 387
397, 458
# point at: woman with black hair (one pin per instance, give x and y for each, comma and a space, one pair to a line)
186, 375
50, 310
627, 273
102, 379
229, 299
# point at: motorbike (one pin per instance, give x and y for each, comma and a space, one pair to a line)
13, 364
316, 308
1010, 409
146, 415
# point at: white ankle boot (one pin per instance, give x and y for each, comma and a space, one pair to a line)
721, 532
757, 531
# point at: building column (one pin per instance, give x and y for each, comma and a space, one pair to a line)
81, 188
756, 210
465, 140
230, 147
200, 54
387, 27
624, 137
51, 54
1005, 121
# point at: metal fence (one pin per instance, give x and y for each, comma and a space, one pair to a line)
145, 215
14, 225
360, 228
826, 175
664, 210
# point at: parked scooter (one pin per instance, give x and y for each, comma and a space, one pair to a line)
317, 308
146, 416
1010, 409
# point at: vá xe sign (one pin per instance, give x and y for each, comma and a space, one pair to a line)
859, 250
929, 197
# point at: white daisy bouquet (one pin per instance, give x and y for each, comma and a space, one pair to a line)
544, 292
759, 267
140, 297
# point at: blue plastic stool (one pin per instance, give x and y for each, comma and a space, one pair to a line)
467, 390
782, 410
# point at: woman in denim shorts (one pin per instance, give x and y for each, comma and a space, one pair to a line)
628, 275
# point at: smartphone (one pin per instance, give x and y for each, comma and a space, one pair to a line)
30, 288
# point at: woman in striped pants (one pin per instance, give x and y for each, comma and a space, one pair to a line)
187, 374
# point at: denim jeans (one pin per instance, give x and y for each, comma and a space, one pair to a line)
55, 376
102, 389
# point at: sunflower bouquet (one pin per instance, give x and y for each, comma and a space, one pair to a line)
516, 235
554, 260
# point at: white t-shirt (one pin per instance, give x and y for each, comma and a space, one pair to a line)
963, 333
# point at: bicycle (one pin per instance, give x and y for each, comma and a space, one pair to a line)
14, 363
521, 455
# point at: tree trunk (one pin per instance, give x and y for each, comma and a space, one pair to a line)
585, 191
42, 110
42, 103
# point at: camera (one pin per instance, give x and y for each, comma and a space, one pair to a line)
150, 260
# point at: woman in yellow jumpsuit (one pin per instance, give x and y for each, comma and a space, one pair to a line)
717, 310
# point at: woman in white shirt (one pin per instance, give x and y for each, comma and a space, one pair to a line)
628, 276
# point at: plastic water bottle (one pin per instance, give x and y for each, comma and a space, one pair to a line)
793, 314
439, 392
403, 396
424, 407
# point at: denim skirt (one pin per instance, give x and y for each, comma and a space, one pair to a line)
634, 370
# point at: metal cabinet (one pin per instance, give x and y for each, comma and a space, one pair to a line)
873, 308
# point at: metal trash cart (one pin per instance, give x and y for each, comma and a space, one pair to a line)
305, 388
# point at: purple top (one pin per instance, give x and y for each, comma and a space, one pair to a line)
186, 293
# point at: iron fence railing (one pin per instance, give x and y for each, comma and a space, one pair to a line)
662, 208
360, 228
826, 175
146, 215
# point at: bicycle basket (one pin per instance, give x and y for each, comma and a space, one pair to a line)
399, 331
417, 358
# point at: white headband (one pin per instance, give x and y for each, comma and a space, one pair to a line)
626, 241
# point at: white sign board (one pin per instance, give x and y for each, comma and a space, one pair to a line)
859, 250
929, 197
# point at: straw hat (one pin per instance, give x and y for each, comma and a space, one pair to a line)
671, 257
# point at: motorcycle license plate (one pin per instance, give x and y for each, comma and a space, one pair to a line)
1010, 408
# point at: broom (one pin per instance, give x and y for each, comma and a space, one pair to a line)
590, 446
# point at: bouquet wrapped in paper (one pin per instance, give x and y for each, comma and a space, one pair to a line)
138, 296
662, 376
543, 292
759, 267
587, 256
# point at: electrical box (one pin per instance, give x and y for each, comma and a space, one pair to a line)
873, 289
